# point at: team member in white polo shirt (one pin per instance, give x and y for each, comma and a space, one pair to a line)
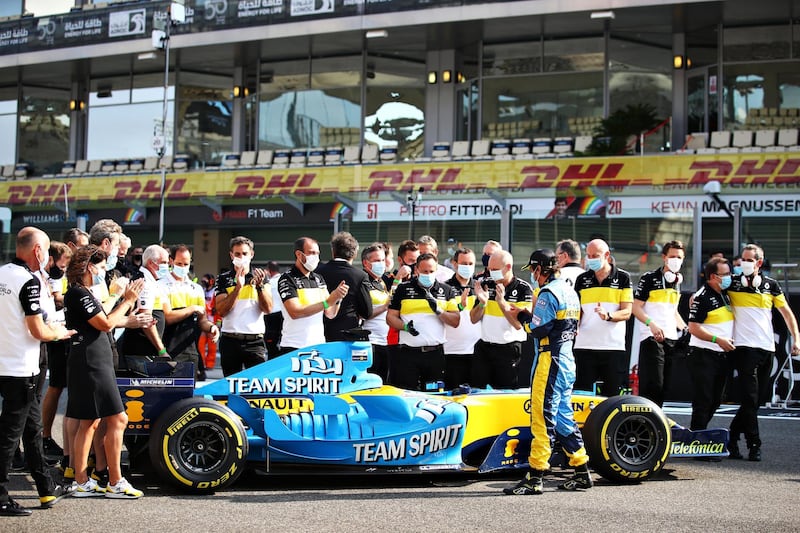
753, 297
655, 305
606, 301
243, 297
419, 310
373, 260
459, 349
148, 340
305, 298
498, 352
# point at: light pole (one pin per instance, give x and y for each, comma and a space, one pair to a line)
176, 14
413, 198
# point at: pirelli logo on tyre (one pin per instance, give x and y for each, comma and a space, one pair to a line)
628, 408
182, 421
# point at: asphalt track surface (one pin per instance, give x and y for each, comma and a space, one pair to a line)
688, 495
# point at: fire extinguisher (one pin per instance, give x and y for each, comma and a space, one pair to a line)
633, 380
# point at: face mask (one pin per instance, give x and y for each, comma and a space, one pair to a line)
674, 264
725, 282
378, 268
163, 271
534, 282
97, 278
45, 260
241, 262
594, 264
426, 280
311, 262
111, 262
180, 271
137, 259
496, 275
748, 268
737, 270
55, 272
485, 260
451, 252
466, 271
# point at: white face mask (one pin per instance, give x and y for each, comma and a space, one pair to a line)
180, 271
748, 268
241, 262
674, 264
111, 261
46, 259
496, 275
466, 271
311, 262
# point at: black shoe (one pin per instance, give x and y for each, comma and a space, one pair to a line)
755, 453
51, 448
200, 375
529, 485
58, 492
12, 508
733, 450
101, 476
18, 463
582, 480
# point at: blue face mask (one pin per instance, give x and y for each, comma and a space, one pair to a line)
594, 264
180, 271
378, 268
466, 271
163, 271
725, 282
97, 278
426, 280
737, 270
111, 261
534, 282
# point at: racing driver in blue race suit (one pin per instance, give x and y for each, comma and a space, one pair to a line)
554, 324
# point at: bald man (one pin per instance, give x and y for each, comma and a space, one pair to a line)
22, 328
606, 302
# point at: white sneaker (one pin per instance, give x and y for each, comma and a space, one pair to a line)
88, 489
123, 490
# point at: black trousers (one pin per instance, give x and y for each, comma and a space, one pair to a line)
22, 417
380, 362
411, 368
592, 366
655, 367
709, 370
457, 369
496, 365
238, 354
748, 363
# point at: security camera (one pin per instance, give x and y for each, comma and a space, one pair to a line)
712, 187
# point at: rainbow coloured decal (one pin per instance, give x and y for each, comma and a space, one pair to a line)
590, 205
339, 209
133, 216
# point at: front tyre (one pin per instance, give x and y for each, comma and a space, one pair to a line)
198, 445
627, 438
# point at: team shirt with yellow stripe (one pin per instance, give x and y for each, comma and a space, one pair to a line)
409, 299
660, 303
711, 309
461, 340
377, 325
245, 317
311, 289
752, 311
594, 333
494, 326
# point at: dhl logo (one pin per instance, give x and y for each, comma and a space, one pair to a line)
658, 170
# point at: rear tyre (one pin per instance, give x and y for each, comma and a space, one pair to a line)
198, 445
628, 439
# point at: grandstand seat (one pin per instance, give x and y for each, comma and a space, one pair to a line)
351, 155
542, 146
150, 165
93, 167
281, 158
787, 137
247, 159
67, 168
7, 172
563, 146
333, 155
316, 157
500, 149
480, 149
230, 161
369, 154
582, 143
694, 142
107, 166
521, 148
441, 150
180, 162
264, 159
135, 165
21, 171
121, 165
298, 157
460, 150
742, 139
388, 154
165, 162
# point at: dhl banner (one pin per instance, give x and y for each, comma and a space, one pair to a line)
611, 174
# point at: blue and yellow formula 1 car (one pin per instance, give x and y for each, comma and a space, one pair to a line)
319, 409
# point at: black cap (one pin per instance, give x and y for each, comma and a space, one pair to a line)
544, 257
